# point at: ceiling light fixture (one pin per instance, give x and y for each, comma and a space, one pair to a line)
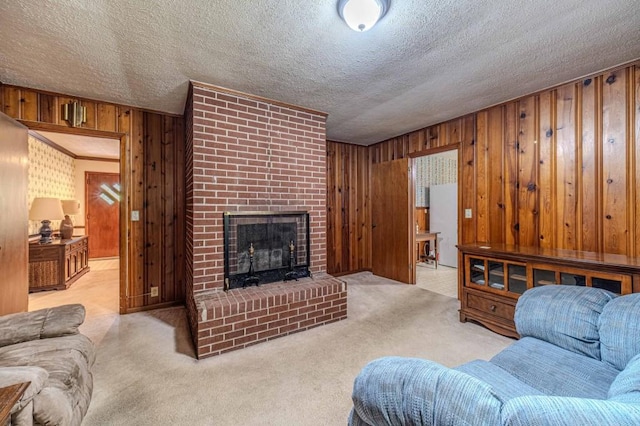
362, 15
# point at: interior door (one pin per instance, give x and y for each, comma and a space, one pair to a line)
392, 235
14, 160
103, 193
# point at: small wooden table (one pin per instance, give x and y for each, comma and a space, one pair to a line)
429, 237
8, 397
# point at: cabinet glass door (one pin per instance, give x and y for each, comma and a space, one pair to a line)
567, 278
517, 278
496, 275
543, 277
476, 271
611, 285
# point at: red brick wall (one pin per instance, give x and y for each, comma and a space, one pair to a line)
248, 154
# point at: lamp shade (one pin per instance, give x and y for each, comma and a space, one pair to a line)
71, 207
46, 209
362, 15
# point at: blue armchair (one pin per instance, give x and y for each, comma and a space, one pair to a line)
577, 363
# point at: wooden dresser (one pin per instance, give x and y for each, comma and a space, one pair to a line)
493, 276
57, 265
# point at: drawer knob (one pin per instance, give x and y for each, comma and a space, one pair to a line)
493, 308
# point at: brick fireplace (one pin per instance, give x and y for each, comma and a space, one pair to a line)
249, 154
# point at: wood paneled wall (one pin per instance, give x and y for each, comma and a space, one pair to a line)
152, 177
348, 208
557, 169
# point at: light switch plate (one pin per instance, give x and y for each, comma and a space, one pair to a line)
135, 215
467, 213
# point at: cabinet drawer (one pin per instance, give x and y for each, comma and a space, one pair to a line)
490, 306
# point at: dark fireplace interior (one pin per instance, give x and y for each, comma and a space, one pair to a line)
265, 247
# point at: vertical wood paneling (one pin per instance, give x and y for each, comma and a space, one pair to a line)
136, 243
526, 148
510, 173
614, 162
179, 209
48, 108
11, 102
634, 117
546, 170
106, 118
348, 208
29, 101
467, 180
590, 174
481, 177
495, 174
566, 168
167, 227
91, 115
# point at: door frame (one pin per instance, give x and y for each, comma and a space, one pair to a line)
412, 207
125, 169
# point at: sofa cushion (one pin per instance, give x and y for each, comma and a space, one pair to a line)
557, 410
620, 330
556, 371
566, 316
40, 324
505, 385
408, 391
626, 387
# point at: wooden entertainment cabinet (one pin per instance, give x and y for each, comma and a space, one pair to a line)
493, 276
57, 265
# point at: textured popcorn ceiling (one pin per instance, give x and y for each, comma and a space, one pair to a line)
425, 62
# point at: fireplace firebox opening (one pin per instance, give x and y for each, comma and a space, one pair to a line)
265, 247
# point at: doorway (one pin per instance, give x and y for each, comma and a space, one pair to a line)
59, 164
436, 215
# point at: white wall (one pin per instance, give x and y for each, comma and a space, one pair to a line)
83, 166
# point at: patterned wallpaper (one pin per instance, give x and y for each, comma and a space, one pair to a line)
436, 169
51, 174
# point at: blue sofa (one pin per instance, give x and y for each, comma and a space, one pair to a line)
577, 363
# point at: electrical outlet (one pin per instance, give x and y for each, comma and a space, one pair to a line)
467, 213
154, 291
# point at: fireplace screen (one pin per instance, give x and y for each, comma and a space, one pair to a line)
264, 247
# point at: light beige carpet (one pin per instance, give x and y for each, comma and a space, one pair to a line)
145, 373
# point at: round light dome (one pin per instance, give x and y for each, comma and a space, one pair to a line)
362, 15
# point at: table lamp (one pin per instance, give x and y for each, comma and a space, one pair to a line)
69, 207
45, 210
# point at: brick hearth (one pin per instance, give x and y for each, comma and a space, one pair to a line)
246, 153
242, 317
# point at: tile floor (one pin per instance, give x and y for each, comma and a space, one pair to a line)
443, 280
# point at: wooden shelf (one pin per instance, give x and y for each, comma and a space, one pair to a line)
518, 277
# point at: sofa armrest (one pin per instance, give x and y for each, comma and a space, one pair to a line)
393, 391
558, 410
42, 324
14, 375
